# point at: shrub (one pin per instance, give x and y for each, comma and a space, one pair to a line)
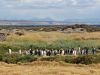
17, 58
1, 56
96, 59
10, 59
19, 33
85, 59
51, 58
69, 59
26, 58
82, 59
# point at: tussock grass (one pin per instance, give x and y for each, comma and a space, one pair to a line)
50, 40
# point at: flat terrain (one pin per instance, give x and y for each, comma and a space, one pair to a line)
49, 68
53, 36
54, 39
49, 40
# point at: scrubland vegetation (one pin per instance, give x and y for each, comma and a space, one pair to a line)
81, 59
50, 40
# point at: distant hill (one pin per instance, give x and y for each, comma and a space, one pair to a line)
27, 22
83, 21
30, 22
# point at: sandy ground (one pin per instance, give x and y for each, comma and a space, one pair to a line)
49, 68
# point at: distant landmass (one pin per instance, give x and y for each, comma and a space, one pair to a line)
27, 22
49, 22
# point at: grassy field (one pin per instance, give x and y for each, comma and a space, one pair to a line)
49, 68
53, 36
50, 40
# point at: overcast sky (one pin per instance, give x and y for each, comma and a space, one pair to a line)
54, 9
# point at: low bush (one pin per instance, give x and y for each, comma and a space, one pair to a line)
96, 59
19, 33
18, 58
10, 59
51, 58
27, 58
84, 59
1, 56
69, 59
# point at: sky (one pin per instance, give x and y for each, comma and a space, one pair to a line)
58, 10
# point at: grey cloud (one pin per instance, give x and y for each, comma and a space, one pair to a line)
20, 4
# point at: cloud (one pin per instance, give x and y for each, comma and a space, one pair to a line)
74, 2
31, 3
56, 9
41, 1
47, 3
81, 3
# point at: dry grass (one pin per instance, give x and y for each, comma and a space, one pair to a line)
34, 36
53, 36
53, 39
49, 68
